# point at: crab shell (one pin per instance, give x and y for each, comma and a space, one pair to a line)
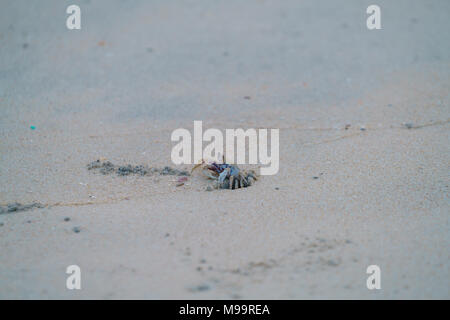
227, 176
231, 177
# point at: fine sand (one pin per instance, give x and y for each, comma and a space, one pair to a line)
364, 149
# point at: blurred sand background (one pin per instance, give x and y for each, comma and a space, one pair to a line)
137, 70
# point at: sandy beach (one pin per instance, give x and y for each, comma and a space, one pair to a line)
364, 149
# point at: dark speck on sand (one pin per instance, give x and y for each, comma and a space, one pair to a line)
332, 263
17, 207
76, 229
107, 167
200, 288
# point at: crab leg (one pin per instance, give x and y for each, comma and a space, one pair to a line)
244, 182
231, 182
197, 165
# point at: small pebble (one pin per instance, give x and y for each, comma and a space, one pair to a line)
76, 229
202, 287
332, 263
409, 125
315, 178
247, 97
1, 224
276, 188
66, 219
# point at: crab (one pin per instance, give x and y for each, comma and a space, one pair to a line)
227, 176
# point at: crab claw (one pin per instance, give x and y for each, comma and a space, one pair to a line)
210, 174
